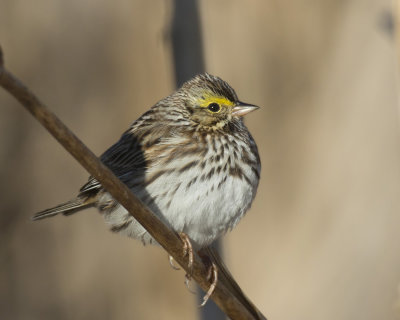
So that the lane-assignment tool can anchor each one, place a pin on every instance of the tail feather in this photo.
(66, 208)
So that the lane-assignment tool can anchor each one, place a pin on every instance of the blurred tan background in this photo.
(322, 239)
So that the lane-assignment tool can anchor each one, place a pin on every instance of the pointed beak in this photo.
(241, 109)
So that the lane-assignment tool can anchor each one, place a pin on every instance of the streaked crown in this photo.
(212, 102)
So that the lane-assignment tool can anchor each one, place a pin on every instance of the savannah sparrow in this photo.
(190, 159)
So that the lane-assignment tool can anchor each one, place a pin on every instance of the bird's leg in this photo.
(187, 251)
(212, 276)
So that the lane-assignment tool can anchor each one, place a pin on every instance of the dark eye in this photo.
(214, 107)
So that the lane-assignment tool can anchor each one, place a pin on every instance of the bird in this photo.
(189, 158)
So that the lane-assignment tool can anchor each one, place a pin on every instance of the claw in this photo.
(171, 263)
(187, 251)
(188, 279)
(213, 277)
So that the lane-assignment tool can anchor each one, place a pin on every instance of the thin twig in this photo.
(168, 239)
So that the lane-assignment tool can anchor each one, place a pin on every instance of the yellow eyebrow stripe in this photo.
(207, 99)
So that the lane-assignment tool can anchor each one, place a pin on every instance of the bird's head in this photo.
(212, 103)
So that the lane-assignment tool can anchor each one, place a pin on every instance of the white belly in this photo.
(203, 208)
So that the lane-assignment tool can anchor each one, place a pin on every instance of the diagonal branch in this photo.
(230, 302)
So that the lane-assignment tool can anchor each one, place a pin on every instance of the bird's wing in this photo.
(130, 157)
(125, 159)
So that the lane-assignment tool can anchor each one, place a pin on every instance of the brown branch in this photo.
(223, 295)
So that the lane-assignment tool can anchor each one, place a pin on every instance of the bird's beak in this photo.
(242, 109)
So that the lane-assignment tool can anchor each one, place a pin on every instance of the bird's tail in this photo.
(66, 208)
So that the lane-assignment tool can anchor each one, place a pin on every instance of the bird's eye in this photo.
(214, 107)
